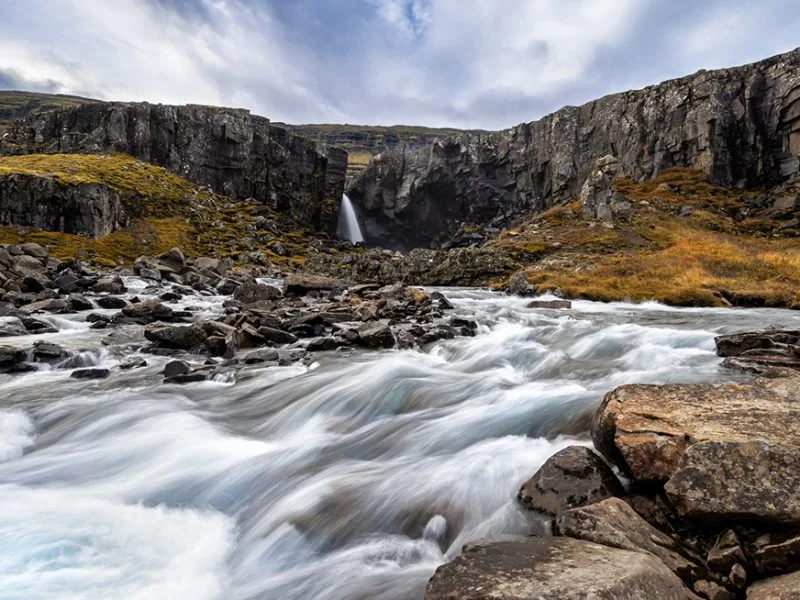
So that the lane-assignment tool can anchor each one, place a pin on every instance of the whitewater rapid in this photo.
(351, 478)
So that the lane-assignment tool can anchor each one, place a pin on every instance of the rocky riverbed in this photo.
(132, 467)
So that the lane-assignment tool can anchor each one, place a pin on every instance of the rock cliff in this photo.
(235, 153)
(739, 125)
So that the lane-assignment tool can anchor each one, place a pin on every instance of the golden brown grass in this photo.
(705, 259)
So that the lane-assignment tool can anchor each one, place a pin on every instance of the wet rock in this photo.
(148, 311)
(92, 373)
(48, 352)
(110, 285)
(376, 335)
(723, 480)
(226, 287)
(10, 326)
(547, 568)
(78, 303)
(277, 336)
(303, 283)
(111, 302)
(11, 357)
(645, 429)
(184, 337)
(52, 305)
(552, 304)
(267, 355)
(518, 285)
(759, 351)
(323, 343)
(66, 283)
(170, 297)
(173, 260)
(195, 377)
(785, 587)
(176, 367)
(35, 283)
(572, 477)
(35, 325)
(612, 522)
(218, 345)
(250, 292)
(132, 362)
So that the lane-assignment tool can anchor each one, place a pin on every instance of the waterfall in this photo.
(348, 222)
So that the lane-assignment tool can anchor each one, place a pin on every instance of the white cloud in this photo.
(469, 63)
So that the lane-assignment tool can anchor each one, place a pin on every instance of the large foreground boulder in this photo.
(646, 428)
(537, 568)
(785, 587)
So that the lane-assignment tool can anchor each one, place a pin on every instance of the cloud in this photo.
(467, 63)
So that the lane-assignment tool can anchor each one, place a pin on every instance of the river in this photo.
(351, 478)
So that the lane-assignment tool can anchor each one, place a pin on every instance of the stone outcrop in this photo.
(646, 428)
(233, 152)
(760, 351)
(87, 209)
(554, 569)
(740, 125)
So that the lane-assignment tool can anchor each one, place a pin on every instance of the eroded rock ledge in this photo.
(709, 508)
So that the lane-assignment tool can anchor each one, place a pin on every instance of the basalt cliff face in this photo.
(233, 152)
(740, 125)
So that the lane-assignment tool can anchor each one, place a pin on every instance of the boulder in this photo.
(376, 334)
(109, 285)
(303, 283)
(132, 362)
(645, 429)
(176, 367)
(250, 292)
(10, 357)
(277, 336)
(266, 355)
(730, 480)
(759, 351)
(112, 302)
(572, 477)
(518, 285)
(92, 373)
(10, 326)
(173, 260)
(36, 325)
(552, 304)
(48, 352)
(148, 311)
(34, 250)
(785, 587)
(614, 523)
(184, 337)
(548, 568)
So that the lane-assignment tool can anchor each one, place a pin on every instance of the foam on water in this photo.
(350, 479)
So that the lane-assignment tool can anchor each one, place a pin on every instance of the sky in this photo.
(485, 64)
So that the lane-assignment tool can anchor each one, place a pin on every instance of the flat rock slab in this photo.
(647, 428)
(754, 480)
(551, 568)
(785, 587)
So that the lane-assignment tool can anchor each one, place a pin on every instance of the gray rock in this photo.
(303, 283)
(776, 552)
(250, 292)
(277, 336)
(11, 326)
(266, 355)
(754, 481)
(92, 373)
(188, 378)
(148, 311)
(518, 285)
(574, 476)
(78, 302)
(48, 351)
(173, 259)
(112, 302)
(176, 367)
(551, 304)
(36, 325)
(376, 335)
(176, 336)
(537, 568)
(10, 357)
(596, 191)
(132, 362)
(110, 285)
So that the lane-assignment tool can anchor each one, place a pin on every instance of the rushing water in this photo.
(349, 479)
(348, 221)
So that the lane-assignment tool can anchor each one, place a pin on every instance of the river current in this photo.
(351, 478)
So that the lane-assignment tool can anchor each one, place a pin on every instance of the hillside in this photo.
(15, 105)
(362, 142)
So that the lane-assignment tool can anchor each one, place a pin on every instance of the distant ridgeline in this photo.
(741, 126)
